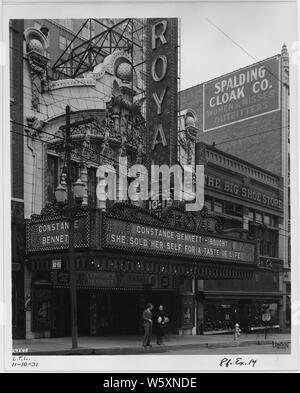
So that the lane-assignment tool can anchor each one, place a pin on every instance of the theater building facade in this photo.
(210, 268)
(126, 257)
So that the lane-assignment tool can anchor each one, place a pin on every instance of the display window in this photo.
(220, 317)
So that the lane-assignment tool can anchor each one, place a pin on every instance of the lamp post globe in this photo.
(60, 194)
(78, 190)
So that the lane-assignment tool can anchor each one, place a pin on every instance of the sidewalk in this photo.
(122, 345)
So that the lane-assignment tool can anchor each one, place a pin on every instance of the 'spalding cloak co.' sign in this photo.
(161, 86)
(243, 94)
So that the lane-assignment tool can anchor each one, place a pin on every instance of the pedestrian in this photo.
(147, 321)
(161, 321)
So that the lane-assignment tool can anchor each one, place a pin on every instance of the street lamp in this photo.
(65, 197)
(76, 192)
(60, 195)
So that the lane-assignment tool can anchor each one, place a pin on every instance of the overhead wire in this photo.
(78, 144)
(45, 141)
(53, 93)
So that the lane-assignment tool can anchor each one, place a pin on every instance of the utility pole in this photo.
(71, 209)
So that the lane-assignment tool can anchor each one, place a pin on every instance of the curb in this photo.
(155, 349)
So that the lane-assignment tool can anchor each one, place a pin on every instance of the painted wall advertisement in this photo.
(246, 93)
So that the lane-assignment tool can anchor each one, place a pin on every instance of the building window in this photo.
(89, 30)
(74, 171)
(92, 185)
(267, 219)
(233, 209)
(52, 177)
(218, 206)
(275, 221)
(68, 23)
(251, 215)
(208, 203)
(269, 243)
(268, 248)
(239, 211)
(62, 42)
(261, 248)
(67, 68)
(69, 45)
(229, 208)
(258, 217)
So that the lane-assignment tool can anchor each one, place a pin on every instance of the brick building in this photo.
(253, 127)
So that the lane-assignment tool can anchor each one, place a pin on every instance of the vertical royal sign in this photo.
(162, 90)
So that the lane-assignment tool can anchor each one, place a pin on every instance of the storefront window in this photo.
(222, 316)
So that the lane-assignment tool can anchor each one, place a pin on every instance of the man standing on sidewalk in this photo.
(161, 321)
(147, 321)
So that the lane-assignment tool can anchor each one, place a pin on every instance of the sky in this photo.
(259, 28)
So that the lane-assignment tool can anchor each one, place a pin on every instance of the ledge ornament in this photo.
(36, 46)
(35, 126)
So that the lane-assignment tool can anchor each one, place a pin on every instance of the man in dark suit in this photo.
(147, 321)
